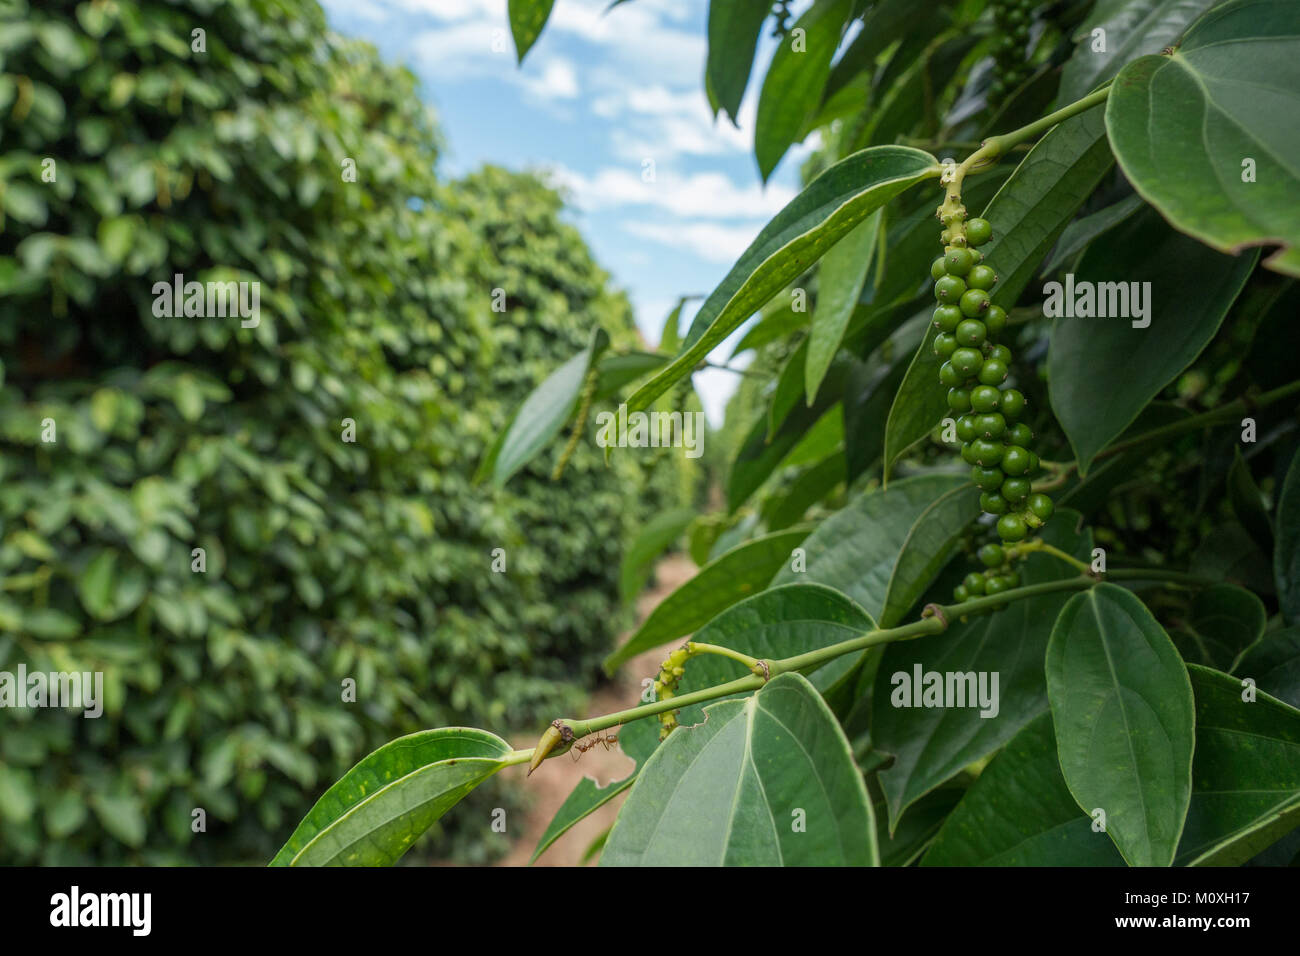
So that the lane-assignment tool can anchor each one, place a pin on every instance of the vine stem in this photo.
(935, 621)
(996, 146)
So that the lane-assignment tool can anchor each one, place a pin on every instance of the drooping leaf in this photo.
(1201, 133)
(1104, 369)
(1020, 813)
(792, 88)
(527, 18)
(800, 234)
(1245, 776)
(930, 745)
(738, 574)
(734, 26)
(839, 284)
(373, 814)
(918, 829)
(1223, 621)
(1081, 233)
(768, 780)
(856, 549)
(587, 797)
(814, 484)
(1248, 502)
(1125, 720)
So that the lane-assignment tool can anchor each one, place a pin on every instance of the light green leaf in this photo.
(109, 591)
(839, 283)
(380, 807)
(856, 549)
(1103, 370)
(1020, 813)
(800, 234)
(741, 572)
(1125, 720)
(792, 88)
(657, 534)
(1246, 774)
(1201, 134)
(727, 792)
(542, 415)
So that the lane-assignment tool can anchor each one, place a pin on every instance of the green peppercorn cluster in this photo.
(670, 675)
(999, 574)
(995, 442)
(1012, 19)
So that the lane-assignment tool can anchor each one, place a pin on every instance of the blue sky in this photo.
(599, 98)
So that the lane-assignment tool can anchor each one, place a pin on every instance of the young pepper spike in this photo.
(558, 733)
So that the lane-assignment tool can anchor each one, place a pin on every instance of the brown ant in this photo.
(605, 740)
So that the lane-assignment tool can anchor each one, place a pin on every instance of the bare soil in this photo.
(554, 780)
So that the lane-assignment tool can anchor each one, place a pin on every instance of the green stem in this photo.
(697, 648)
(996, 146)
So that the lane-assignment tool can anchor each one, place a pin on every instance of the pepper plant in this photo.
(1008, 570)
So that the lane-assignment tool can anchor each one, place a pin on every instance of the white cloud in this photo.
(698, 196)
(558, 80)
(708, 240)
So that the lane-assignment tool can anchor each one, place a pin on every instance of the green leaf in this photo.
(931, 745)
(812, 485)
(1132, 28)
(122, 815)
(768, 780)
(1286, 553)
(527, 18)
(1246, 775)
(1020, 813)
(759, 456)
(917, 831)
(800, 234)
(920, 404)
(1125, 720)
(587, 797)
(542, 415)
(670, 339)
(885, 22)
(930, 543)
(659, 532)
(777, 320)
(741, 572)
(1274, 665)
(792, 88)
(1248, 502)
(109, 591)
(1224, 620)
(1037, 202)
(1081, 233)
(617, 371)
(734, 26)
(839, 283)
(856, 549)
(1186, 129)
(373, 814)
(1102, 370)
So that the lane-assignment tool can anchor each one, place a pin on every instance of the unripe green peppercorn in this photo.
(993, 372)
(937, 270)
(974, 583)
(990, 425)
(978, 231)
(986, 452)
(985, 398)
(1015, 490)
(974, 303)
(993, 503)
(995, 318)
(986, 479)
(944, 345)
(948, 373)
(966, 428)
(1015, 460)
(965, 362)
(947, 318)
(1012, 528)
(970, 332)
(958, 262)
(1019, 434)
(981, 277)
(1041, 506)
(1012, 404)
(949, 289)
(959, 399)
(991, 555)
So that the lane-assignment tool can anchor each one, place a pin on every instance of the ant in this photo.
(606, 740)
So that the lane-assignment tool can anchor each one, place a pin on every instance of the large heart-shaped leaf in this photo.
(1125, 720)
(1020, 813)
(1202, 134)
(541, 416)
(856, 549)
(1103, 368)
(800, 234)
(1130, 28)
(932, 744)
(1246, 775)
(376, 811)
(768, 780)
(741, 572)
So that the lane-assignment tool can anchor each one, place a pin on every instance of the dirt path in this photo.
(551, 785)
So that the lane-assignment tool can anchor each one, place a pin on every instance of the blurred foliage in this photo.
(325, 559)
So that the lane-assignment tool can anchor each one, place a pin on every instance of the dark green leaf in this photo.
(1274, 665)
(929, 545)
(527, 17)
(1248, 502)
(1286, 555)
(734, 26)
